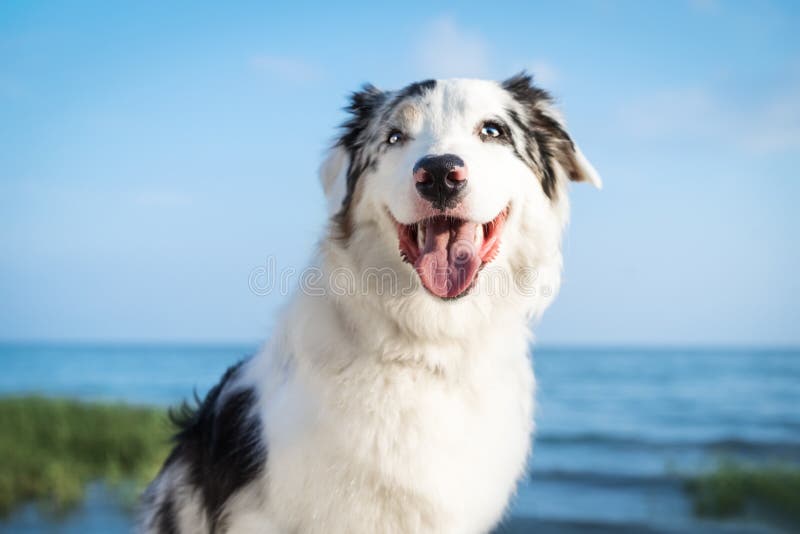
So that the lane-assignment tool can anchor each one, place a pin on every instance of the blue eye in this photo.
(491, 129)
(394, 138)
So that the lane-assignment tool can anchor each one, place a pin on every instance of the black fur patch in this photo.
(364, 108)
(220, 444)
(364, 105)
(165, 520)
(414, 89)
(546, 142)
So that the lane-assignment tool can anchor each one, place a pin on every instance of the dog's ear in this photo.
(363, 106)
(547, 137)
(576, 166)
(345, 161)
(333, 176)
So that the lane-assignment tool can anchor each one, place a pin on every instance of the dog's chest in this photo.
(397, 448)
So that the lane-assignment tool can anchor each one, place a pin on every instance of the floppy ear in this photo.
(333, 176)
(345, 162)
(550, 146)
(576, 165)
(363, 106)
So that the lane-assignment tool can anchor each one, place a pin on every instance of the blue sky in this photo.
(152, 154)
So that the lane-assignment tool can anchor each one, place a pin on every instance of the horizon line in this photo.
(237, 343)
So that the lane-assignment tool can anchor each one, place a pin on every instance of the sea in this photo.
(618, 430)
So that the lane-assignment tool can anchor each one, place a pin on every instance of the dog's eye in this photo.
(491, 129)
(394, 137)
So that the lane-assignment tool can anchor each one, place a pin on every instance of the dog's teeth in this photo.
(479, 235)
(420, 235)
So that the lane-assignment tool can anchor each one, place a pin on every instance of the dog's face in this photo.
(453, 175)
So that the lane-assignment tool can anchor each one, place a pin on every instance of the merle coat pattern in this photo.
(399, 400)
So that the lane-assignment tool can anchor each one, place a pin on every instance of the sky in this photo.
(154, 154)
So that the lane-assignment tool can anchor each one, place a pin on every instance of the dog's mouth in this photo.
(448, 252)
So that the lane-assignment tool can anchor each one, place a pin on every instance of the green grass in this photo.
(51, 448)
(735, 489)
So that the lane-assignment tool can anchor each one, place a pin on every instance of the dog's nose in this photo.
(441, 179)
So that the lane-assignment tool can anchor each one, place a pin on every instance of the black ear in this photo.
(350, 150)
(546, 135)
(362, 108)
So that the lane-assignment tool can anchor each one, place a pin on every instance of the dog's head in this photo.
(444, 178)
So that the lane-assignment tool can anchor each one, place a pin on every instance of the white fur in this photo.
(390, 413)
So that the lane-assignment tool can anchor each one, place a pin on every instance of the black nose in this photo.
(441, 179)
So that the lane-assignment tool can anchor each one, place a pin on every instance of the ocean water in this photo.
(616, 428)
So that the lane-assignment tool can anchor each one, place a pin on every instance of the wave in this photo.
(526, 525)
(732, 445)
(609, 480)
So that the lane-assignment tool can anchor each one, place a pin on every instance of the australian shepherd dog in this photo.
(396, 392)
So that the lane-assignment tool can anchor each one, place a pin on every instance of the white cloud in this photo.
(669, 111)
(544, 73)
(777, 124)
(286, 68)
(446, 50)
(766, 125)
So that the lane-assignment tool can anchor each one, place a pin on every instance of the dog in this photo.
(396, 394)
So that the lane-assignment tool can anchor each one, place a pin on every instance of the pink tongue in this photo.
(449, 260)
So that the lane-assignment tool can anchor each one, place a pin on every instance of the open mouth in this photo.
(448, 252)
